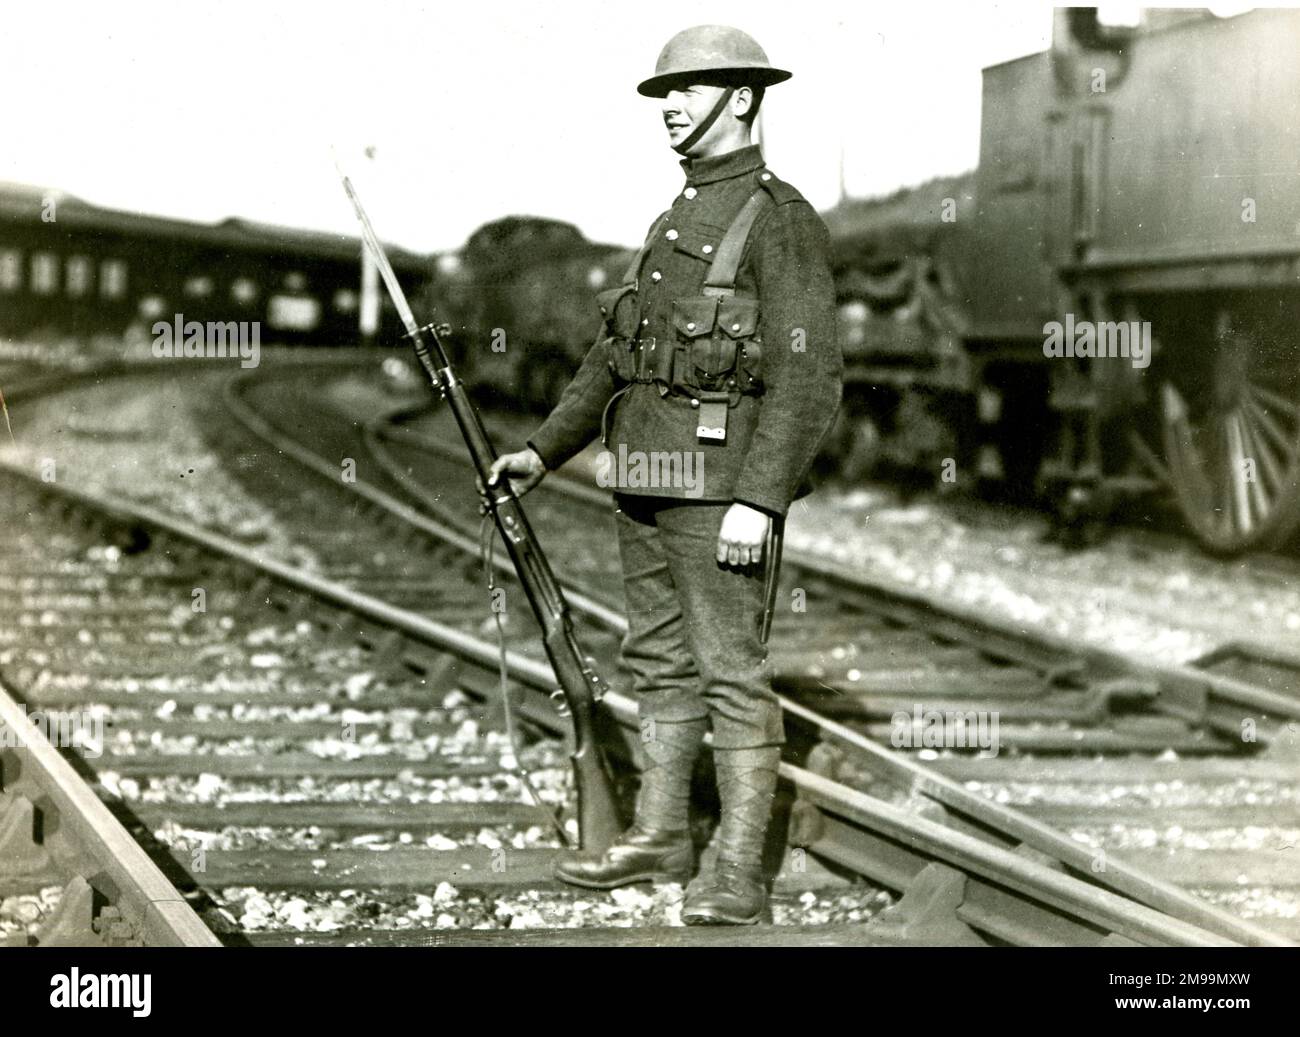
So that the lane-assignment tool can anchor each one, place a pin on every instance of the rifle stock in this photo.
(598, 821)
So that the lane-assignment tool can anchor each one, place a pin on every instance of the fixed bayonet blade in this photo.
(376, 251)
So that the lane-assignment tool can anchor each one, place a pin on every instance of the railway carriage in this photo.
(71, 268)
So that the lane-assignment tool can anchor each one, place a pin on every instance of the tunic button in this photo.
(695, 403)
(735, 327)
(766, 176)
(645, 321)
(671, 235)
(655, 275)
(707, 249)
(690, 192)
(690, 325)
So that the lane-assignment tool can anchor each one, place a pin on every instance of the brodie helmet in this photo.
(717, 52)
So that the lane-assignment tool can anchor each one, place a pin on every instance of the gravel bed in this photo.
(22, 915)
(1171, 605)
(267, 837)
(1254, 902)
(547, 768)
(447, 908)
(145, 445)
(1241, 794)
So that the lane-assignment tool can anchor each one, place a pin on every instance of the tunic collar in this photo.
(723, 167)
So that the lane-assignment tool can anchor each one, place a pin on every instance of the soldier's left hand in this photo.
(740, 541)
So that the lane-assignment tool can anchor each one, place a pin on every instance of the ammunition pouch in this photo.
(618, 308)
(717, 347)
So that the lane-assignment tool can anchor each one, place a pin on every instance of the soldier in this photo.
(719, 352)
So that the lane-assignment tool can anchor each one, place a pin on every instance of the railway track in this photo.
(234, 730)
(60, 844)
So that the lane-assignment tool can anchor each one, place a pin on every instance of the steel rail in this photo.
(86, 843)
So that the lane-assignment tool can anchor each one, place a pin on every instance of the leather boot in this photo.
(736, 894)
(658, 844)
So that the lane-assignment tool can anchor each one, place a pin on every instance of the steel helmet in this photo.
(711, 49)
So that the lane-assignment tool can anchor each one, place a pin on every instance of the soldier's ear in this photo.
(742, 101)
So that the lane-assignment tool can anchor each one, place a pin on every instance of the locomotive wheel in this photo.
(1232, 439)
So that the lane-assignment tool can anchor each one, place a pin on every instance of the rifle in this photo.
(598, 822)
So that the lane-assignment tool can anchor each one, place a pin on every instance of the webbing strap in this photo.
(721, 279)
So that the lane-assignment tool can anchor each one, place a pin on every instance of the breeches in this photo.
(692, 642)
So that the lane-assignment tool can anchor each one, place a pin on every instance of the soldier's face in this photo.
(686, 107)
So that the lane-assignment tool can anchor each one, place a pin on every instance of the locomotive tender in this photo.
(1122, 178)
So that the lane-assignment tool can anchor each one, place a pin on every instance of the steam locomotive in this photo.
(519, 299)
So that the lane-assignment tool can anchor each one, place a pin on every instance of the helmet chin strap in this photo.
(702, 127)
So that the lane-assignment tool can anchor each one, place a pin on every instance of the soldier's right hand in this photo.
(524, 467)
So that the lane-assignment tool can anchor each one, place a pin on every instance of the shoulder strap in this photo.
(780, 191)
(721, 279)
(635, 269)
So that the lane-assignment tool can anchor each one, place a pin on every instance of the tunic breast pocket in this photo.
(700, 241)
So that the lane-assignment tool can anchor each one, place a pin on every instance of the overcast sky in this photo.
(473, 110)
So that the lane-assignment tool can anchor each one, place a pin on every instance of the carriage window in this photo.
(45, 273)
(198, 286)
(78, 276)
(112, 279)
(345, 300)
(295, 281)
(11, 270)
(293, 312)
(243, 290)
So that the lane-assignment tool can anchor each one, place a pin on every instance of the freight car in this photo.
(68, 268)
(1132, 183)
